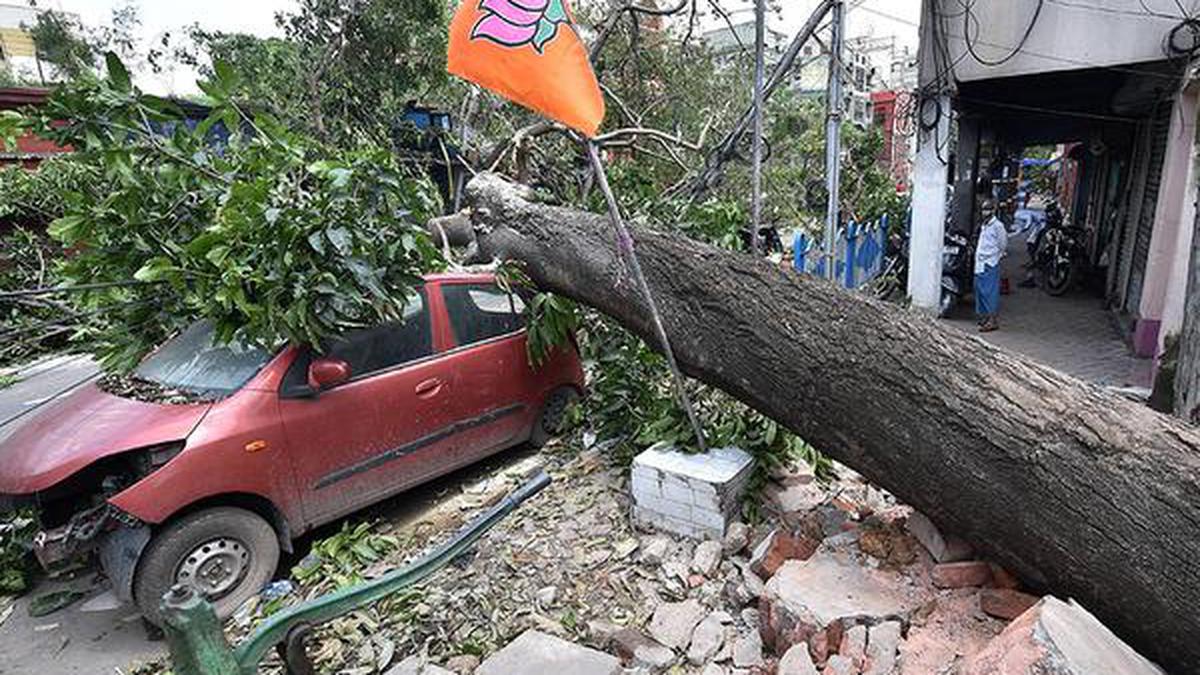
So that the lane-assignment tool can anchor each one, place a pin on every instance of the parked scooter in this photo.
(957, 272)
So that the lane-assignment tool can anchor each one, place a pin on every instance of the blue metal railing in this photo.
(858, 253)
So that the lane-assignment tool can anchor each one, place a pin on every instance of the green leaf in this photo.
(155, 269)
(65, 229)
(118, 75)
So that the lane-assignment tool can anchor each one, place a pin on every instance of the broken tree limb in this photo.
(727, 148)
(1081, 492)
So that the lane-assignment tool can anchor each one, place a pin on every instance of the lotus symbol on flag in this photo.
(515, 23)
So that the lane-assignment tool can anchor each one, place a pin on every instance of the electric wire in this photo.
(969, 17)
(1028, 52)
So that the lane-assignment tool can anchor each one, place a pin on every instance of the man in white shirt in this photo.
(991, 248)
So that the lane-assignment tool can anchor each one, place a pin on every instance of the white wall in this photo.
(1068, 35)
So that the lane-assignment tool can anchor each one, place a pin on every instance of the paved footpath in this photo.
(1073, 333)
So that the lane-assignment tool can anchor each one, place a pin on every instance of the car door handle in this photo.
(429, 388)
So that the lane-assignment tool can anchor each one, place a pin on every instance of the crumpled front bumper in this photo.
(59, 546)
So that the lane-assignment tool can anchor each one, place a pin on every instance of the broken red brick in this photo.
(1005, 603)
(1002, 578)
(779, 547)
(961, 574)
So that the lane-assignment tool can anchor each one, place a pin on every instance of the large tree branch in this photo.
(1081, 492)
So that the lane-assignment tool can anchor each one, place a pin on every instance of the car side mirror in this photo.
(326, 372)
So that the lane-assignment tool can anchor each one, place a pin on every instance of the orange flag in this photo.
(528, 51)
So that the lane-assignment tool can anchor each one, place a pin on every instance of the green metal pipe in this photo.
(194, 636)
(275, 630)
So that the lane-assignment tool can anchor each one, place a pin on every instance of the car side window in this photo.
(481, 312)
(375, 349)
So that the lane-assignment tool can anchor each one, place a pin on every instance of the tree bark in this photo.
(1082, 493)
(1187, 372)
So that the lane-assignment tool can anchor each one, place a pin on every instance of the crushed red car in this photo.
(267, 446)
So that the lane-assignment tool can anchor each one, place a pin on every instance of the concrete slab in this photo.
(1058, 637)
(535, 652)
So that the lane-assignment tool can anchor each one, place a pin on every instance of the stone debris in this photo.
(708, 638)
(568, 582)
(674, 622)
(814, 600)
(655, 549)
(883, 641)
(417, 665)
(707, 558)
(737, 537)
(463, 664)
(694, 496)
(795, 499)
(840, 665)
(797, 662)
(854, 645)
(961, 574)
(536, 652)
(748, 650)
(1058, 637)
(546, 596)
(944, 549)
(1005, 603)
(638, 651)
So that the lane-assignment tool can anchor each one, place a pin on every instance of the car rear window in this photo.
(481, 312)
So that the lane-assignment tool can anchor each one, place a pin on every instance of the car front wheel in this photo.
(227, 554)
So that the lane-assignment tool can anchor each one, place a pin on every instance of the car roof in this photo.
(440, 277)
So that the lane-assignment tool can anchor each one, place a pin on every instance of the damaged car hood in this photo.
(88, 424)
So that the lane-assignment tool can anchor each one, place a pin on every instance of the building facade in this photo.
(1107, 79)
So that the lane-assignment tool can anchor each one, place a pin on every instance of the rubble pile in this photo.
(838, 580)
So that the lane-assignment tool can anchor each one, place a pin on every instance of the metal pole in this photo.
(194, 636)
(626, 250)
(760, 47)
(833, 139)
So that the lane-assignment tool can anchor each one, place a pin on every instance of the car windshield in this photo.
(191, 362)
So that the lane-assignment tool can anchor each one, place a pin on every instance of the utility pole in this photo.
(760, 48)
(930, 176)
(833, 138)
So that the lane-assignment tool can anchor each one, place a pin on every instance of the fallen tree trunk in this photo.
(1081, 492)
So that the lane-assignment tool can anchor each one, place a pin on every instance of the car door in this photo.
(493, 380)
(378, 433)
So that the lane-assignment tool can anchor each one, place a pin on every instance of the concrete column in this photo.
(1165, 284)
(1175, 295)
(929, 178)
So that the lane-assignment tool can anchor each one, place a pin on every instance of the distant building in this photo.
(17, 52)
(810, 76)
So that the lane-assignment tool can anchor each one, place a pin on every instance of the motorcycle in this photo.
(1060, 256)
(892, 282)
(957, 272)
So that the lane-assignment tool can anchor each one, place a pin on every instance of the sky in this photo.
(258, 17)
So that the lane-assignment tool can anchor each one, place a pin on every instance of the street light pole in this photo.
(760, 47)
(833, 139)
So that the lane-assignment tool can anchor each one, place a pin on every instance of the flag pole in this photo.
(626, 249)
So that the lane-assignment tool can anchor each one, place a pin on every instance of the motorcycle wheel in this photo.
(1059, 279)
(947, 304)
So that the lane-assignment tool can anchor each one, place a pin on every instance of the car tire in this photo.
(551, 420)
(237, 544)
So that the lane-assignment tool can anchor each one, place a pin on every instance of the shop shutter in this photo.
(1160, 133)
